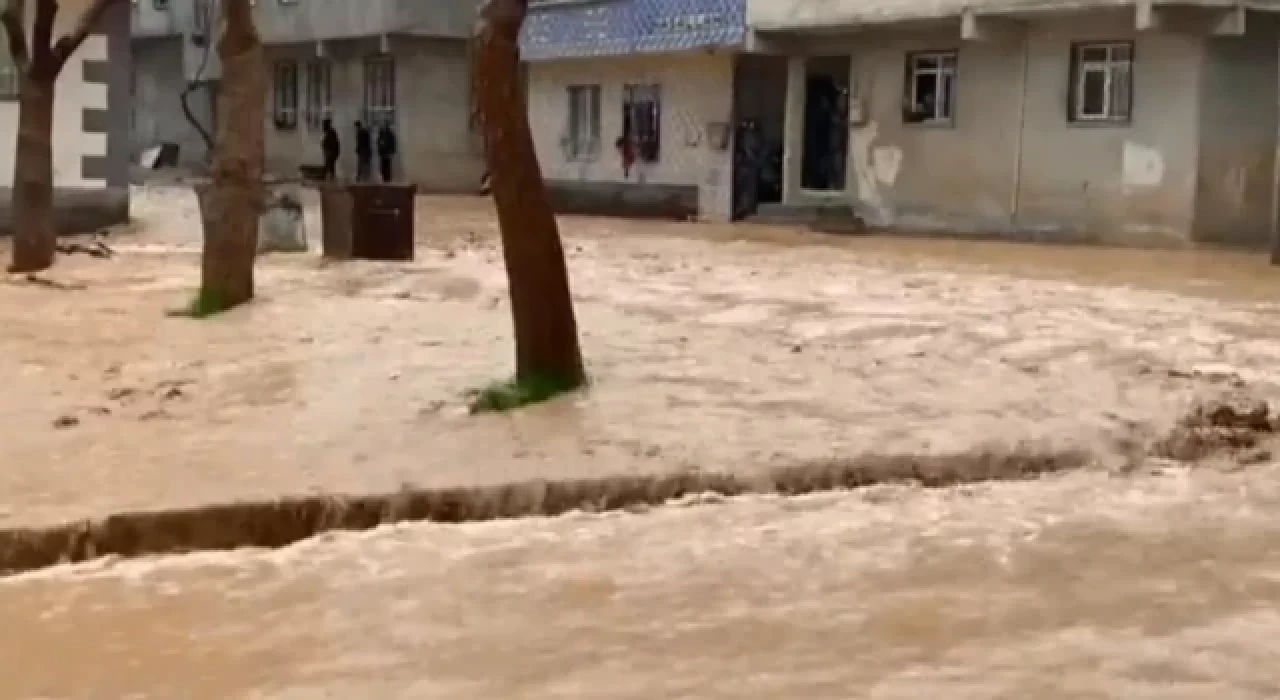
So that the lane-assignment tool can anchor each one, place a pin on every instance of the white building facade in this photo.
(90, 127)
(1120, 121)
(631, 105)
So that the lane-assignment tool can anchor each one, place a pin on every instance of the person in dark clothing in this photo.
(747, 164)
(386, 150)
(364, 152)
(332, 148)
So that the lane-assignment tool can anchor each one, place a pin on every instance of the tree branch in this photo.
(15, 28)
(68, 43)
(42, 32)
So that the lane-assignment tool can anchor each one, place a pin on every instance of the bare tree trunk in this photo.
(39, 60)
(35, 237)
(541, 304)
(235, 201)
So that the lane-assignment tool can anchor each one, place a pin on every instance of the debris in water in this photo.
(1234, 424)
(155, 414)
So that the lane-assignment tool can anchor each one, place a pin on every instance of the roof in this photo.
(620, 27)
(799, 14)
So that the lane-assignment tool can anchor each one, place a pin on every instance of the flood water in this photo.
(757, 348)
(1159, 586)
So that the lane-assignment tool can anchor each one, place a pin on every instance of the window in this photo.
(201, 20)
(583, 141)
(319, 86)
(930, 92)
(284, 95)
(9, 86)
(1101, 82)
(380, 91)
(642, 120)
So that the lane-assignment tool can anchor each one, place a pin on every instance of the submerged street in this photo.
(718, 348)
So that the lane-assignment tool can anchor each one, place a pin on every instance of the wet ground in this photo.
(1159, 587)
(713, 355)
(755, 348)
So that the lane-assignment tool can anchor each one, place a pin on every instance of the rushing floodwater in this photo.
(1157, 586)
(726, 355)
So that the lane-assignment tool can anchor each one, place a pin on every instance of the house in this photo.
(404, 62)
(631, 103)
(1127, 121)
(90, 127)
(172, 57)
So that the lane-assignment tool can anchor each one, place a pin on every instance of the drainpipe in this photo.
(1015, 196)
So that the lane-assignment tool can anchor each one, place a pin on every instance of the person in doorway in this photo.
(386, 150)
(332, 148)
(748, 161)
(364, 152)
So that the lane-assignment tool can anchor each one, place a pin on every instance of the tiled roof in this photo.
(567, 29)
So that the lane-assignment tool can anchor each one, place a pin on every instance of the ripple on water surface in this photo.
(1159, 586)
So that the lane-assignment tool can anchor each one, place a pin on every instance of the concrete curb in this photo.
(278, 523)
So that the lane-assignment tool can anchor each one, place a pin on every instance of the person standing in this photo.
(747, 164)
(364, 152)
(386, 150)
(332, 148)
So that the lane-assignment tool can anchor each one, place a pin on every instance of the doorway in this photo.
(759, 108)
(826, 124)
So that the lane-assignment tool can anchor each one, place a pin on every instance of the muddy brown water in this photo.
(1082, 586)
(742, 354)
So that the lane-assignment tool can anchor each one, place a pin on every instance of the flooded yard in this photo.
(733, 349)
(712, 355)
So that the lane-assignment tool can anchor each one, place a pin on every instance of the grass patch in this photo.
(517, 393)
(206, 303)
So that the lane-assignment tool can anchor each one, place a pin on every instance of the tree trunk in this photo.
(541, 304)
(34, 233)
(235, 200)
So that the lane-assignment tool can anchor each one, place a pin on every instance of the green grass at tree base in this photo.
(206, 303)
(515, 393)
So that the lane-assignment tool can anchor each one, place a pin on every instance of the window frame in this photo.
(284, 88)
(1075, 86)
(318, 89)
(582, 138)
(388, 109)
(911, 71)
(635, 98)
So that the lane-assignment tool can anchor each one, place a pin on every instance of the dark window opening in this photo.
(642, 120)
(1101, 83)
(930, 93)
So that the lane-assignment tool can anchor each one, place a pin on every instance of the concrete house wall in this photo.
(1196, 162)
(438, 149)
(90, 127)
(1236, 183)
(168, 52)
(426, 40)
(428, 43)
(156, 108)
(690, 175)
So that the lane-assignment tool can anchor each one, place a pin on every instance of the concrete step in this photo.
(830, 218)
